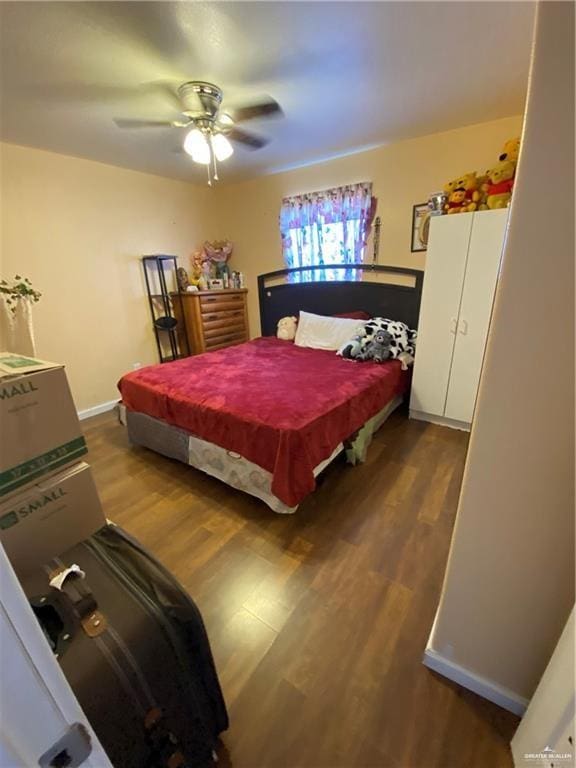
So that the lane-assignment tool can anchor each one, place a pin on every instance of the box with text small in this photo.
(39, 427)
(47, 518)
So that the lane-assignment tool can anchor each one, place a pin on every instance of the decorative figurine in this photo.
(196, 261)
(182, 278)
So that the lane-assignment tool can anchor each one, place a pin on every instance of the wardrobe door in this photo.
(486, 243)
(443, 281)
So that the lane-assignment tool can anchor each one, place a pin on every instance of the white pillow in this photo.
(324, 332)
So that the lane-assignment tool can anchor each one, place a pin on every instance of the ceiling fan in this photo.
(211, 129)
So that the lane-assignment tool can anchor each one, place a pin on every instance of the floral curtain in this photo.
(328, 227)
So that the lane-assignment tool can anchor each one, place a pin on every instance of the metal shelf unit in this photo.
(161, 286)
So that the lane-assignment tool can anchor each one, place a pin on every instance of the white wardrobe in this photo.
(462, 264)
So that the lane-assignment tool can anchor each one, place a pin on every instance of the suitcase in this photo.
(134, 649)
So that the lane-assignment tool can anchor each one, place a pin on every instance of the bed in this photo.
(268, 416)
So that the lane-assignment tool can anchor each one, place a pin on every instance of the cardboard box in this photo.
(39, 427)
(49, 517)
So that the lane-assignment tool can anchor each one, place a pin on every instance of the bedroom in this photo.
(319, 618)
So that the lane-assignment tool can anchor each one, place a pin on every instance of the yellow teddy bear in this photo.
(511, 151)
(449, 187)
(481, 193)
(501, 181)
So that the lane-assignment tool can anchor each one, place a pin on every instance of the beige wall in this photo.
(403, 174)
(509, 584)
(77, 229)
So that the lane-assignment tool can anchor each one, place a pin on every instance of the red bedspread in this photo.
(283, 407)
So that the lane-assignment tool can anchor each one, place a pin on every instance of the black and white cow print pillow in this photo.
(403, 338)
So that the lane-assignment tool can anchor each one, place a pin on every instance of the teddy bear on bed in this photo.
(378, 348)
(286, 329)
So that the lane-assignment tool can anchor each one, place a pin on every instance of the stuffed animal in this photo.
(457, 201)
(406, 360)
(287, 328)
(511, 150)
(449, 187)
(481, 194)
(469, 183)
(353, 349)
(501, 182)
(378, 349)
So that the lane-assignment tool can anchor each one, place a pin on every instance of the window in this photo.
(329, 227)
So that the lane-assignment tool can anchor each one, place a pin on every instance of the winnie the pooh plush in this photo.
(457, 202)
(469, 183)
(501, 181)
(481, 194)
(449, 187)
(511, 150)
(286, 329)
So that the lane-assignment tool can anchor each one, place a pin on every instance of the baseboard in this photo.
(86, 413)
(443, 421)
(484, 687)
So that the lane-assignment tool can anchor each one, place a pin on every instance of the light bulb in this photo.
(221, 146)
(196, 145)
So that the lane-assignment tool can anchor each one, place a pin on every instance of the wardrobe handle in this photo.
(453, 325)
(464, 328)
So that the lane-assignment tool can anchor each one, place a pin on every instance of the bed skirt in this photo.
(230, 467)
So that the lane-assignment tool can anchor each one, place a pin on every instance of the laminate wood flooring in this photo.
(318, 620)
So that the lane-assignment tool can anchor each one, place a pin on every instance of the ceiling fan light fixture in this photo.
(197, 146)
(222, 148)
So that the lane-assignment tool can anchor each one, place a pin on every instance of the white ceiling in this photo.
(348, 75)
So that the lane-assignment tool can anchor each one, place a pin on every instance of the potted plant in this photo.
(18, 297)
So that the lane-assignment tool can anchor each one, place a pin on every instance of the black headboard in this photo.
(330, 297)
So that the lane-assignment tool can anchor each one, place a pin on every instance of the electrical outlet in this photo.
(135, 366)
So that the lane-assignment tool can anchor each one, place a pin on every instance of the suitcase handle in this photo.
(73, 601)
(80, 600)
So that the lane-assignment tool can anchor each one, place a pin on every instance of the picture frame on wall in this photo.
(420, 227)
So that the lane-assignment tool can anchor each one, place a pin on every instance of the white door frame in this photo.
(543, 736)
(37, 704)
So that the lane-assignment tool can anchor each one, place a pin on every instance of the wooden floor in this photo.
(318, 620)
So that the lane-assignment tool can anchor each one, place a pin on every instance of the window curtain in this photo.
(328, 227)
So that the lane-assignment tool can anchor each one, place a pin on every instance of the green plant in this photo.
(16, 289)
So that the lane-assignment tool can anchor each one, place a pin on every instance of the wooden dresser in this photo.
(214, 319)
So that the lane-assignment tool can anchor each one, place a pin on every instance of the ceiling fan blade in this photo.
(166, 89)
(163, 92)
(122, 122)
(249, 140)
(267, 108)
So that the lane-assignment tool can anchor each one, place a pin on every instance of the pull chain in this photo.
(215, 174)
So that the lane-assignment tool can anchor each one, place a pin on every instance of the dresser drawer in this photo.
(217, 318)
(224, 330)
(221, 302)
(225, 339)
(223, 323)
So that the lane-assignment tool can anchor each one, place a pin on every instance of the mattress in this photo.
(282, 407)
(231, 467)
